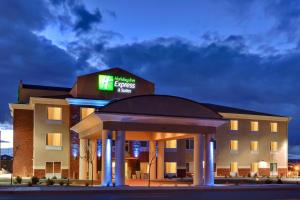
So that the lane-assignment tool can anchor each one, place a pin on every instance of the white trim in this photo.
(254, 117)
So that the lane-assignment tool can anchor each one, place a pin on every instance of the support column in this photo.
(83, 163)
(161, 160)
(120, 158)
(209, 160)
(198, 159)
(106, 173)
(93, 158)
(152, 159)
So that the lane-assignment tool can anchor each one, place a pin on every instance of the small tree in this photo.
(149, 170)
(90, 157)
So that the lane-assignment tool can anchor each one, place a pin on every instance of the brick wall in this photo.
(40, 173)
(264, 172)
(244, 172)
(282, 172)
(23, 142)
(223, 171)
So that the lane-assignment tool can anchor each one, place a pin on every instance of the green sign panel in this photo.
(106, 83)
(118, 83)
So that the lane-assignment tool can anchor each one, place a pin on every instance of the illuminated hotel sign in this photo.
(119, 83)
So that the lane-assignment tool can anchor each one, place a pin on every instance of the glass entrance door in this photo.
(273, 169)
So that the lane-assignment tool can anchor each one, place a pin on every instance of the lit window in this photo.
(274, 127)
(53, 139)
(171, 144)
(234, 167)
(254, 146)
(171, 167)
(234, 125)
(254, 167)
(274, 146)
(84, 112)
(234, 145)
(54, 113)
(254, 126)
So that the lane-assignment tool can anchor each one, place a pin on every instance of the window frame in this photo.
(272, 151)
(54, 147)
(231, 125)
(251, 126)
(231, 145)
(271, 127)
(61, 113)
(254, 151)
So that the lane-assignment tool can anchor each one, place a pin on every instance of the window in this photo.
(254, 167)
(254, 146)
(171, 167)
(54, 113)
(234, 145)
(54, 139)
(234, 125)
(274, 146)
(189, 144)
(274, 127)
(254, 126)
(84, 112)
(234, 167)
(171, 144)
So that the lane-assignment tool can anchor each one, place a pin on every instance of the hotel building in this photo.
(111, 126)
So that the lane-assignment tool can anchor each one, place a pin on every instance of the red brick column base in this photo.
(223, 171)
(244, 172)
(39, 173)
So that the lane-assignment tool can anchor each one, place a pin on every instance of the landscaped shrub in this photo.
(35, 180)
(61, 183)
(29, 184)
(86, 184)
(54, 177)
(279, 181)
(49, 182)
(268, 181)
(18, 180)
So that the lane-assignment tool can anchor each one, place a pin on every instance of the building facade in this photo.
(68, 132)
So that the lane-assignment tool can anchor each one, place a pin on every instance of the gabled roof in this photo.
(43, 87)
(227, 109)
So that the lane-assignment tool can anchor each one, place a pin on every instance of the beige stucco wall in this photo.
(243, 156)
(42, 126)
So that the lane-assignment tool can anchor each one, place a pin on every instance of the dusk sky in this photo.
(240, 53)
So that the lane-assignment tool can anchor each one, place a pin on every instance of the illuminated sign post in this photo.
(119, 83)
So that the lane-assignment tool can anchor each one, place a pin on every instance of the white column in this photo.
(106, 173)
(152, 159)
(161, 160)
(198, 159)
(209, 160)
(93, 158)
(120, 158)
(83, 164)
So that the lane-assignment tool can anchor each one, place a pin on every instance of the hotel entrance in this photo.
(152, 118)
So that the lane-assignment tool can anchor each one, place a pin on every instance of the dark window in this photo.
(143, 143)
(189, 144)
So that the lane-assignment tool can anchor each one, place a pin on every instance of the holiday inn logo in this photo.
(106, 83)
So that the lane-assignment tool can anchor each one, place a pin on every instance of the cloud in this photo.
(217, 72)
(85, 19)
(26, 56)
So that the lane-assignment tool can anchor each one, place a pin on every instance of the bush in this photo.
(18, 180)
(35, 180)
(54, 177)
(86, 184)
(268, 181)
(279, 181)
(49, 182)
(61, 183)
(29, 184)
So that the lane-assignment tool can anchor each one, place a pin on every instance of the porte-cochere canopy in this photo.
(151, 113)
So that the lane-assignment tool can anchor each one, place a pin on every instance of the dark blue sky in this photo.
(231, 52)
